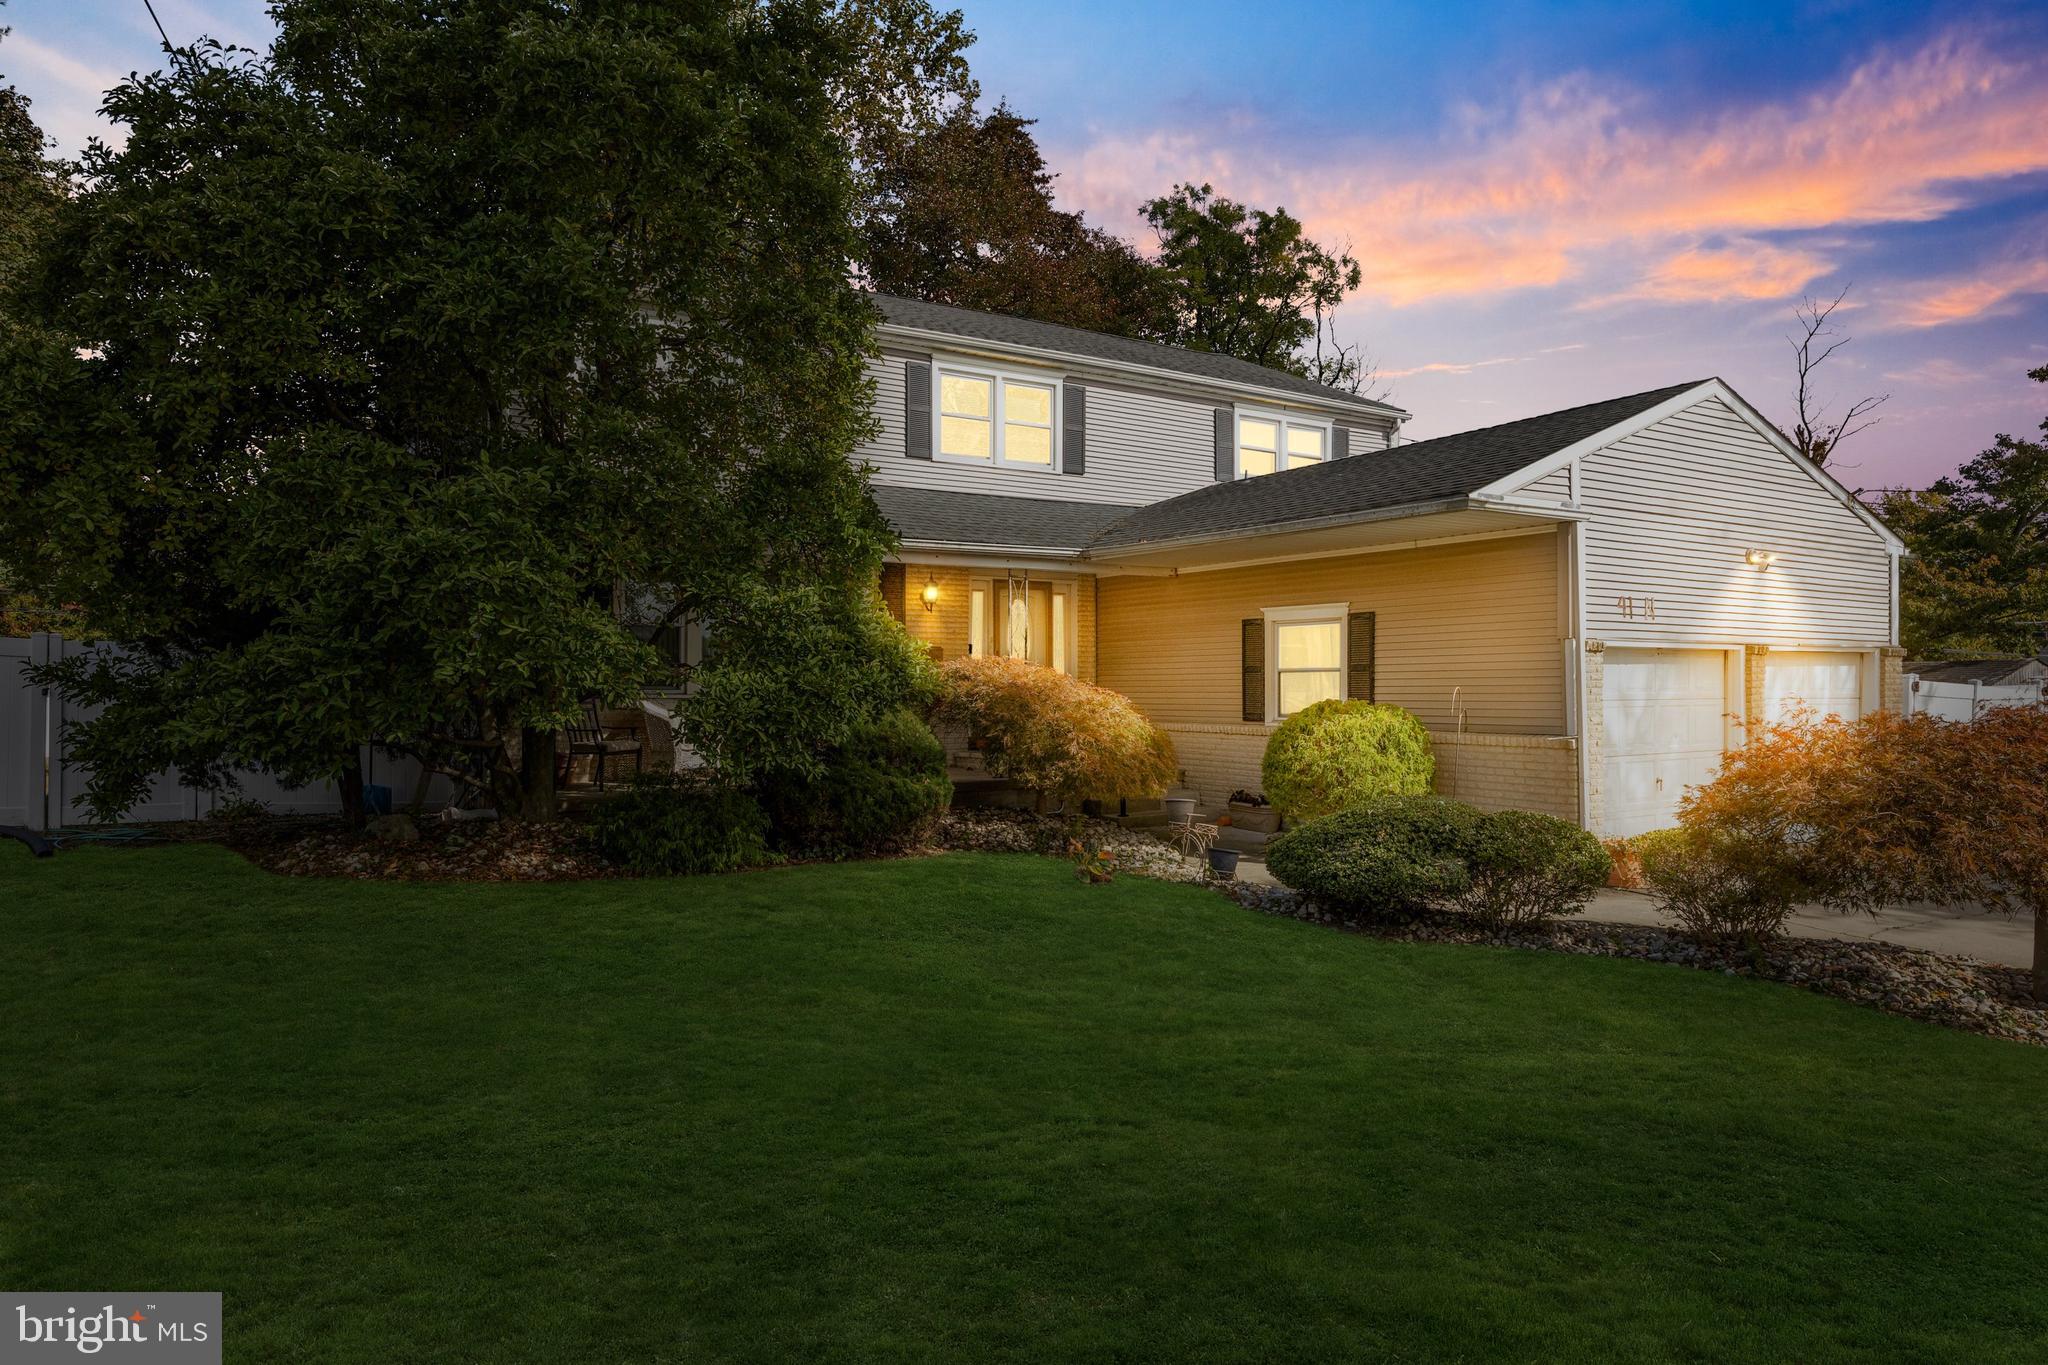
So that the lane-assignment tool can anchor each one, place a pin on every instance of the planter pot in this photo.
(1223, 862)
(1180, 809)
(1258, 819)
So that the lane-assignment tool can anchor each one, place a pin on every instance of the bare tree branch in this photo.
(1816, 437)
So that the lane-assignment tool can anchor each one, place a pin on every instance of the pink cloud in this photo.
(1992, 290)
(1578, 180)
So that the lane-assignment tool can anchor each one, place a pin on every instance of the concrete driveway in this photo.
(1986, 935)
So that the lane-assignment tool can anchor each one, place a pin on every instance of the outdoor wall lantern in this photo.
(1761, 559)
(930, 593)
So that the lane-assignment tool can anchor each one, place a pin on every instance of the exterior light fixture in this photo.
(1760, 559)
(930, 593)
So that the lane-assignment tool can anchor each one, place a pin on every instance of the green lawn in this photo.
(967, 1108)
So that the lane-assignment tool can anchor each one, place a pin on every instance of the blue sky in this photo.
(1553, 203)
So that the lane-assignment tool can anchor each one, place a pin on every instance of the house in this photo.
(1583, 607)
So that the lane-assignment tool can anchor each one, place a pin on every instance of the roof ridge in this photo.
(1559, 412)
(1165, 346)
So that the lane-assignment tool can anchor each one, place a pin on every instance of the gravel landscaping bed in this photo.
(993, 830)
(455, 851)
(1956, 992)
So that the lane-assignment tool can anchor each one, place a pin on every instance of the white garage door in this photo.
(1665, 712)
(1828, 684)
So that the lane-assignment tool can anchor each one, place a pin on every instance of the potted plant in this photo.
(1252, 812)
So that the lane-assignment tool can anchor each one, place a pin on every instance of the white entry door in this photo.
(1665, 712)
(1827, 684)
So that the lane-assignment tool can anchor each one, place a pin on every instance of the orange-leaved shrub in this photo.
(1065, 739)
(1889, 808)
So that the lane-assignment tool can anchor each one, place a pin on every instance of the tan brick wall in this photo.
(1510, 772)
(1891, 678)
(1754, 658)
(945, 626)
(1593, 724)
(892, 590)
(1493, 772)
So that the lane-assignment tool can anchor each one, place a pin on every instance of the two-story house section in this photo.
(1585, 607)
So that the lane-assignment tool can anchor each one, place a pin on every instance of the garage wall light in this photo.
(1760, 559)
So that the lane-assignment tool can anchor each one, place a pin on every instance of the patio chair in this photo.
(594, 738)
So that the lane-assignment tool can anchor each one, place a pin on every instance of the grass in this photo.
(967, 1108)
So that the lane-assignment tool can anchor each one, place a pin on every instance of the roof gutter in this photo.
(1460, 503)
(954, 341)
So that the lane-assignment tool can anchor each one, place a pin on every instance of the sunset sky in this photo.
(1553, 203)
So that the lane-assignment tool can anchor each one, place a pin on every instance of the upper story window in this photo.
(988, 417)
(1267, 444)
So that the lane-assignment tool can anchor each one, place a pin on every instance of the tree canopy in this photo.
(1977, 579)
(374, 363)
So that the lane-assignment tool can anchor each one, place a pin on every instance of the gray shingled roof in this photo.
(929, 514)
(1048, 336)
(1445, 468)
(1990, 671)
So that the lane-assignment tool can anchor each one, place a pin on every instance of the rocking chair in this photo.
(600, 741)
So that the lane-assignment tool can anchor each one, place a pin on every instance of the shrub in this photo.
(1387, 853)
(1527, 868)
(672, 824)
(1334, 754)
(883, 789)
(1721, 887)
(1066, 740)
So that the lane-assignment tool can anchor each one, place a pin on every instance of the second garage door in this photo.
(1825, 684)
(1664, 712)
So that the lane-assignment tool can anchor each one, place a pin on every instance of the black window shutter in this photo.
(917, 409)
(1359, 672)
(1073, 429)
(1253, 648)
(1340, 443)
(1226, 448)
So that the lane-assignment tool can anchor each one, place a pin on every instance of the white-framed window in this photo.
(1023, 619)
(1268, 442)
(995, 417)
(1305, 656)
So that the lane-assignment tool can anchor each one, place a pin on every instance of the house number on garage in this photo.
(1633, 607)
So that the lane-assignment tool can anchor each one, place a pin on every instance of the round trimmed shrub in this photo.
(1528, 868)
(670, 824)
(883, 789)
(1385, 854)
(1332, 755)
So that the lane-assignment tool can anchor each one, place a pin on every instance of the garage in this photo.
(1665, 715)
(1826, 683)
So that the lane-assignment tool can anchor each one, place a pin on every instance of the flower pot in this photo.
(1180, 809)
(1258, 819)
(1223, 862)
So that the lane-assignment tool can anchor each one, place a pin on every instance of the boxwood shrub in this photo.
(1332, 755)
(884, 789)
(672, 824)
(1527, 869)
(1385, 854)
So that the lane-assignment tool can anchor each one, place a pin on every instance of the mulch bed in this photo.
(1955, 992)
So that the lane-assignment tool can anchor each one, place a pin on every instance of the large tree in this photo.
(964, 214)
(377, 360)
(1250, 283)
(1977, 580)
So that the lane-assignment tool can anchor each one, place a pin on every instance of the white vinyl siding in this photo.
(1672, 511)
(1553, 487)
(1143, 446)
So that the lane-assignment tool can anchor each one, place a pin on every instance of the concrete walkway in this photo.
(1986, 935)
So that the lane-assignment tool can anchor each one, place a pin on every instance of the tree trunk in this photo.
(351, 781)
(2041, 950)
(536, 797)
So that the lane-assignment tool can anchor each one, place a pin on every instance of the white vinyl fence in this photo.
(1964, 701)
(39, 784)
